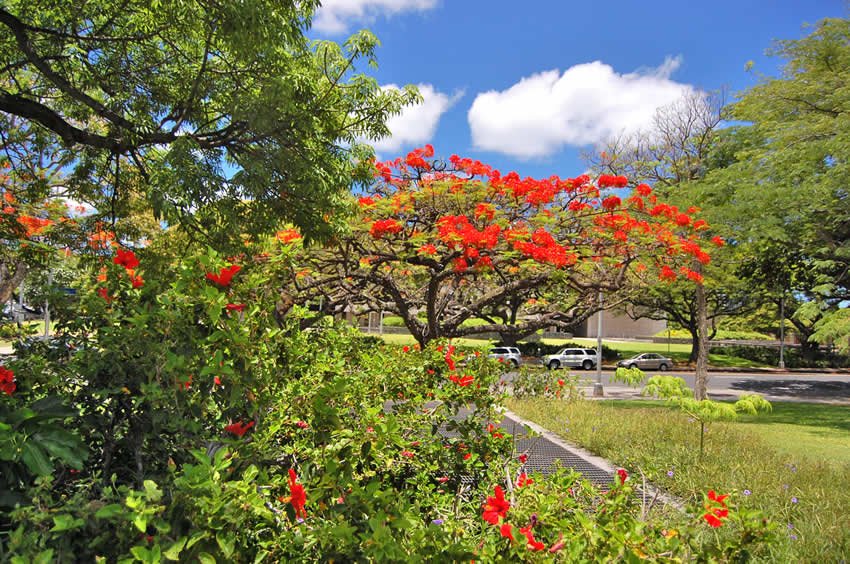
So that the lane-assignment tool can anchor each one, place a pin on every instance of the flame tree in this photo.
(443, 244)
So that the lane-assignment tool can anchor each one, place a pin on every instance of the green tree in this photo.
(797, 173)
(227, 115)
(675, 154)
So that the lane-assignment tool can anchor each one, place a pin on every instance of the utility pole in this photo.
(598, 391)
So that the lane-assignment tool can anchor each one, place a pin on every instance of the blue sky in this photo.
(526, 86)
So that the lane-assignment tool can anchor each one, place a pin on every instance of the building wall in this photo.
(616, 325)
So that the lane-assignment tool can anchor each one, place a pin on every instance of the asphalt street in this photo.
(774, 386)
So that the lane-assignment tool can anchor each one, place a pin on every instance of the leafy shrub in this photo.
(215, 430)
(793, 356)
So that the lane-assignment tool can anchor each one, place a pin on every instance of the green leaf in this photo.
(173, 551)
(206, 558)
(152, 492)
(109, 511)
(35, 459)
(65, 522)
(226, 543)
(141, 523)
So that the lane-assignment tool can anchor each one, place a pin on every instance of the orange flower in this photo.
(288, 235)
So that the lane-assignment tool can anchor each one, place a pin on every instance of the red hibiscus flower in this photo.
(462, 381)
(533, 544)
(523, 458)
(225, 275)
(622, 475)
(127, 259)
(716, 509)
(496, 507)
(234, 307)
(523, 480)
(239, 428)
(297, 495)
(136, 280)
(104, 293)
(507, 531)
(7, 381)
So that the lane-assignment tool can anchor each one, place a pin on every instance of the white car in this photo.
(572, 357)
(507, 354)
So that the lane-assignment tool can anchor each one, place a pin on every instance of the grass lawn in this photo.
(794, 462)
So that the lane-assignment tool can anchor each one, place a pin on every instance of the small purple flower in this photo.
(793, 500)
(533, 519)
(790, 526)
(437, 522)
(669, 473)
(792, 536)
(784, 486)
(747, 492)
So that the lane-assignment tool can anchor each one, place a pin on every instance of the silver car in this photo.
(575, 358)
(507, 354)
(648, 361)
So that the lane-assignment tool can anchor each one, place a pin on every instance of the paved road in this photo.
(775, 386)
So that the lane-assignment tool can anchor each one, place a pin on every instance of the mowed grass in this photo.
(795, 462)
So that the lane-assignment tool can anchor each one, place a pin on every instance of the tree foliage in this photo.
(225, 113)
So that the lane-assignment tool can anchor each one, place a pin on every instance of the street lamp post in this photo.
(782, 331)
(598, 391)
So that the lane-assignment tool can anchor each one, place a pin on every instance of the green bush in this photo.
(207, 428)
(792, 356)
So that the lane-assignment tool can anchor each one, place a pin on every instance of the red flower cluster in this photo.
(608, 181)
(235, 307)
(611, 203)
(7, 381)
(718, 241)
(496, 507)
(623, 475)
(544, 248)
(225, 275)
(383, 226)
(457, 232)
(239, 428)
(715, 509)
(34, 225)
(127, 259)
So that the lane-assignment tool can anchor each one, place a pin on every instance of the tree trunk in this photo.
(694, 331)
(701, 383)
(8, 282)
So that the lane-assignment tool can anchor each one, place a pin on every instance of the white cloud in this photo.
(585, 105)
(416, 125)
(335, 15)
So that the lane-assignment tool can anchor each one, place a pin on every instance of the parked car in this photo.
(575, 358)
(648, 361)
(507, 354)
